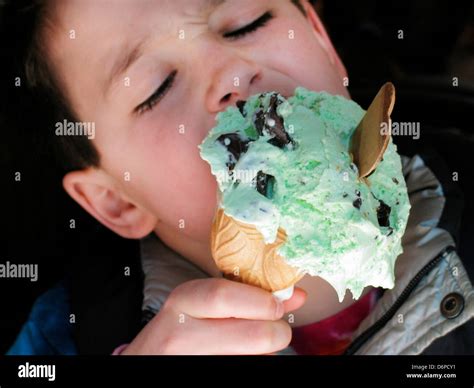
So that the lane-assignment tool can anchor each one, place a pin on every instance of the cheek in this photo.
(174, 183)
(189, 189)
(305, 61)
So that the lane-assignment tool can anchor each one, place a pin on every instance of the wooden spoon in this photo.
(369, 141)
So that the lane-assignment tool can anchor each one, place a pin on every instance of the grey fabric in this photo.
(164, 270)
(422, 321)
(417, 323)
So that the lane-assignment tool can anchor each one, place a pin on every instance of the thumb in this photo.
(296, 301)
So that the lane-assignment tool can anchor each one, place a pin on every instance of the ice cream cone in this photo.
(240, 252)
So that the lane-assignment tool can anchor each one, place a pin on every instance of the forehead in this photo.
(82, 12)
(92, 33)
(102, 23)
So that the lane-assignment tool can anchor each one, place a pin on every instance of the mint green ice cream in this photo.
(285, 163)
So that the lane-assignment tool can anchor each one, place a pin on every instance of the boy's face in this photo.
(123, 51)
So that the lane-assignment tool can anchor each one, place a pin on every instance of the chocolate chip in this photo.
(259, 121)
(278, 128)
(235, 145)
(264, 183)
(383, 214)
(390, 231)
(357, 203)
(395, 180)
(269, 121)
(357, 193)
(240, 104)
(344, 195)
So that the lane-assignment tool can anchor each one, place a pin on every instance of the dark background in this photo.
(438, 44)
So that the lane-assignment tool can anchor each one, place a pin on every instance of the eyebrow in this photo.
(124, 62)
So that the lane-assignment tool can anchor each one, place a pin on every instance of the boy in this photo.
(151, 76)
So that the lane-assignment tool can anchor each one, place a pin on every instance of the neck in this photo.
(197, 252)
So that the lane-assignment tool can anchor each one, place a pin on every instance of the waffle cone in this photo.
(240, 252)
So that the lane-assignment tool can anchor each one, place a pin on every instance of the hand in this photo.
(218, 316)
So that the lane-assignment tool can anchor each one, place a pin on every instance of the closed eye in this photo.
(249, 28)
(155, 98)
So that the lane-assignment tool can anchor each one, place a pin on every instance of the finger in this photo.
(221, 298)
(229, 337)
(296, 301)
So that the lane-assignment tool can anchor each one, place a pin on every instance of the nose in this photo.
(230, 82)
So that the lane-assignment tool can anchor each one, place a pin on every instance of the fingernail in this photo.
(284, 294)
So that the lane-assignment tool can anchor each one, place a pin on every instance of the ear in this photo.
(323, 38)
(96, 192)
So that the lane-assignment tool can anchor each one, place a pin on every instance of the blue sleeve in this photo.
(48, 330)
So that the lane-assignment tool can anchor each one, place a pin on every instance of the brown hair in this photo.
(73, 152)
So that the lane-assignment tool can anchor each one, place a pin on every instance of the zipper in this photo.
(382, 321)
